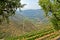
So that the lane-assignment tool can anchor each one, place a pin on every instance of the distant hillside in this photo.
(35, 15)
(17, 26)
(22, 22)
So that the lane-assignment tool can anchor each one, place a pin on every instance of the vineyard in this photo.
(29, 19)
(45, 34)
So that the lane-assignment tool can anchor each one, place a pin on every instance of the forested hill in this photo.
(34, 14)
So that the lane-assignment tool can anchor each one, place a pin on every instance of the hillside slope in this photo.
(16, 26)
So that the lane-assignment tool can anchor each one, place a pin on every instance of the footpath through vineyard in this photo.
(51, 36)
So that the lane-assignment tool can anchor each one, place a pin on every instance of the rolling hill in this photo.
(23, 22)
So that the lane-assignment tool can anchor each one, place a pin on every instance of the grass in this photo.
(34, 35)
(39, 35)
(51, 36)
(10, 38)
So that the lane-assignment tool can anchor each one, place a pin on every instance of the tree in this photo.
(8, 8)
(52, 7)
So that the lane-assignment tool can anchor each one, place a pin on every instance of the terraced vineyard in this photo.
(51, 36)
(46, 34)
(41, 35)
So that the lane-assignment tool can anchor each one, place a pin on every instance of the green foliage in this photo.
(52, 7)
(31, 35)
(40, 35)
(11, 38)
(35, 34)
(2, 35)
(8, 8)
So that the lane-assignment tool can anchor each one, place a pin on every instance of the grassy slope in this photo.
(15, 27)
(33, 35)
(36, 34)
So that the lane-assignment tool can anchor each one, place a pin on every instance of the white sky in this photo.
(31, 4)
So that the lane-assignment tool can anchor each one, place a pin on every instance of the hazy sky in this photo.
(31, 4)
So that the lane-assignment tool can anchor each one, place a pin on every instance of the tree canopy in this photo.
(52, 7)
(8, 8)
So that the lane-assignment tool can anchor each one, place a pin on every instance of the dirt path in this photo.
(48, 36)
(1, 39)
(56, 38)
(44, 36)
